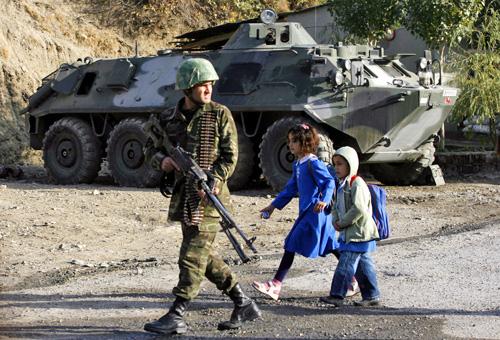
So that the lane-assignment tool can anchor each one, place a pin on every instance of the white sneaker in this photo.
(353, 289)
(268, 288)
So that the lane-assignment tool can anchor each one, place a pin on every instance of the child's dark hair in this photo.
(306, 135)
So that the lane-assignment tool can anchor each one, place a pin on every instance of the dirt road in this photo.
(98, 261)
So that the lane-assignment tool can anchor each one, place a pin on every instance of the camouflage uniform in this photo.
(211, 138)
(197, 258)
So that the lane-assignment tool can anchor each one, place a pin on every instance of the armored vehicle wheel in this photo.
(244, 167)
(276, 159)
(126, 157)
(405, 173)
(71, 152)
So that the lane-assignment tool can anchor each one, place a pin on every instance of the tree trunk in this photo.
(495, 138)
(442, 58)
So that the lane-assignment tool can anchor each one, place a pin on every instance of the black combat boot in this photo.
(245, 309)
(172, 322)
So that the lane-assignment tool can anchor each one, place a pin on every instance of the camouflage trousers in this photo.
(198, 260)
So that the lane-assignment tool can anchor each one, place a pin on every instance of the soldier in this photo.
(207, 130)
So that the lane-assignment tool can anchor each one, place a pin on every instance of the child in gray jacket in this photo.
(352, 217)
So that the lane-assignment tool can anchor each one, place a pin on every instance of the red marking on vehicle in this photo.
(447, 100)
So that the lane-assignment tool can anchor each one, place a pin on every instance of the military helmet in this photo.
(194, 71)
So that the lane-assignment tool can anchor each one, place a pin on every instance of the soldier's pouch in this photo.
(210, 224)
(176, 207)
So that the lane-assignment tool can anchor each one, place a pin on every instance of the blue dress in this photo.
(312, 234)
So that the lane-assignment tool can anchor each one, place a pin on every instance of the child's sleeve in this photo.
(335, 215)
(360, 196)
(289, 191)
(331, 170)
(325, 180)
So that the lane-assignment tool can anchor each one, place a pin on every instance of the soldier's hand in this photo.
(203, 195)
(168, 165)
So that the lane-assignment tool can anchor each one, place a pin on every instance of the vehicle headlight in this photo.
(268, 16)
(422, 63)
(346, 64)
(339, 78)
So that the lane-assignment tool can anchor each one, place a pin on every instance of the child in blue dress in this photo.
(312, 234)
(352, 217)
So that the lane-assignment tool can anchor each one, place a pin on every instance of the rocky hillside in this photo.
(36, 36)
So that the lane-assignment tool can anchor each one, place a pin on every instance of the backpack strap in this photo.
(353, 178)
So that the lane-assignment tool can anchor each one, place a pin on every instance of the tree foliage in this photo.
(367, 21)
(439, 22)
(477, 72)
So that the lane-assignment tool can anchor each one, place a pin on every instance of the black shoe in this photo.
(172, 322)
(333, 300)
(245, 309)
(368, 303)
(240, 315)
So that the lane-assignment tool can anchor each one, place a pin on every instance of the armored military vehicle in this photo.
(272, 76)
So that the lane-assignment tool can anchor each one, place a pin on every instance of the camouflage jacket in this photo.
(225, 151)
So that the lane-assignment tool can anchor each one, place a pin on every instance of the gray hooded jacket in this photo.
(356, 223)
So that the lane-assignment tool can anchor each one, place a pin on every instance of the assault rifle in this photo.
(190, 168)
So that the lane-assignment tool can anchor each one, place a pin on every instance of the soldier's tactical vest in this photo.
(198, 138)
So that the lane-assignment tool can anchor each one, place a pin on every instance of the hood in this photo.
(351, 157)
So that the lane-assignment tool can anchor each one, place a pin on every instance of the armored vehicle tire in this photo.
(275, 158)
(71, 152)
(405, 173)
(126, 158)
(244, 167)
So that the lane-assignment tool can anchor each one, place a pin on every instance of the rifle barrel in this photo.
(244, 258)
(225, 216)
